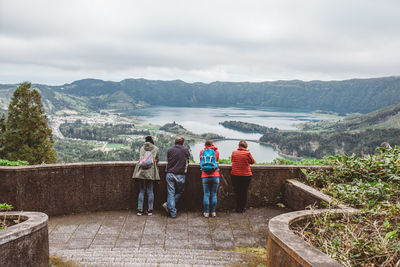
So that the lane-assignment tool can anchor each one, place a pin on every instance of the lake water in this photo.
(201, 120)
(260, 152)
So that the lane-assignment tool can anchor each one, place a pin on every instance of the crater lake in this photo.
(201, 120)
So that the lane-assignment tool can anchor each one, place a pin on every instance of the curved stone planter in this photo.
(287, 249)
(26, 243)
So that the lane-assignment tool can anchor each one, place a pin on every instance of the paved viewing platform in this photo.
(121, 238)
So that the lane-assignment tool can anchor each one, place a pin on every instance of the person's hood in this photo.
(148, 146)
(211, 147)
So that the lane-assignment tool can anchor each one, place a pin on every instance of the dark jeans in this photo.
(241, 186)
(175, 189)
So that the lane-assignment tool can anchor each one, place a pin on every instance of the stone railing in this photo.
(81, 187)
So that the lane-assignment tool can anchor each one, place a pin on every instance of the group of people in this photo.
(146, 172)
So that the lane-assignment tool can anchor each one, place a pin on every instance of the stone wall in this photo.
(26, 243)
(298, 196)
(71, 188)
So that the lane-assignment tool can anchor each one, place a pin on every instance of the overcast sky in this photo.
(57, 41)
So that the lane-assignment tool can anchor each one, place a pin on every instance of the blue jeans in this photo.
(210, 189)
(146, 185)
(175, 188)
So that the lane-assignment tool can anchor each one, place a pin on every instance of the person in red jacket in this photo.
(210, 182)
(241, 174)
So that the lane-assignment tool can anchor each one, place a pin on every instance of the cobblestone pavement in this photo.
(121, 238)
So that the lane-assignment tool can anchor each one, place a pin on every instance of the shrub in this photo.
(372, 184)
(4, 162)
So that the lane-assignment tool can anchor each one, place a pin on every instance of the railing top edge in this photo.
(132, 163)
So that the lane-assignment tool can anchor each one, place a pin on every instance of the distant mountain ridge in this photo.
(348, 96)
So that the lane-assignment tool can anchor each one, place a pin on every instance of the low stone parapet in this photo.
(71, 188)
(26, 243)
(298, 196)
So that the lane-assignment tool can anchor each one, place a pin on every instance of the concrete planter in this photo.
(26, 243)
(287, 249)
(284, 247)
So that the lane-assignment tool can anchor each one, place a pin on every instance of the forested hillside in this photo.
(385, 118)
(359, 134)
(52, 99)
(349, 96)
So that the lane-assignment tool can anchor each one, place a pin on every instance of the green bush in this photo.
(4, 207)
(372, 184)
(4, 162)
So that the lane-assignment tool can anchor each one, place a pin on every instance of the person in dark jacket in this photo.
(147, 176)
(177, 164)
(210, 183)
(241, 174)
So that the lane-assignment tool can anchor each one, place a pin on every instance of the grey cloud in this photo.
(198, 41)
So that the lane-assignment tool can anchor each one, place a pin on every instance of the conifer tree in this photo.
(27, 135)
(2, 130)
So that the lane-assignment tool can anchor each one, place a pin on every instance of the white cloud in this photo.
(60, 41)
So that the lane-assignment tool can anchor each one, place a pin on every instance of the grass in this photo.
(117, 146)
(4, 162)
(56, 261)
(331, 116)
(364, 239)
(4, 207)
(147, 127)
(252, 256)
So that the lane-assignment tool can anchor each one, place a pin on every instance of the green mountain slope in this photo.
(385, 118)
(349, 96)
(53, 100)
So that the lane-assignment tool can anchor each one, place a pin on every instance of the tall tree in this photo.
(2, 130)
(27, 135)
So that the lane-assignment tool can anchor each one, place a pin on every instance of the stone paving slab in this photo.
(121, 238)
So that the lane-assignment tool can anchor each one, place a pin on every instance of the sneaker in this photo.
(206, 215)
(149, 212)
(139, 213)
(213, 214)
(165, 208)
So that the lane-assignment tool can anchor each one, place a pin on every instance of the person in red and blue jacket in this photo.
(210, 184)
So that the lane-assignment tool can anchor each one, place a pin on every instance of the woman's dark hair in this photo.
(149, 139)
(243, 144)
(209, 143)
